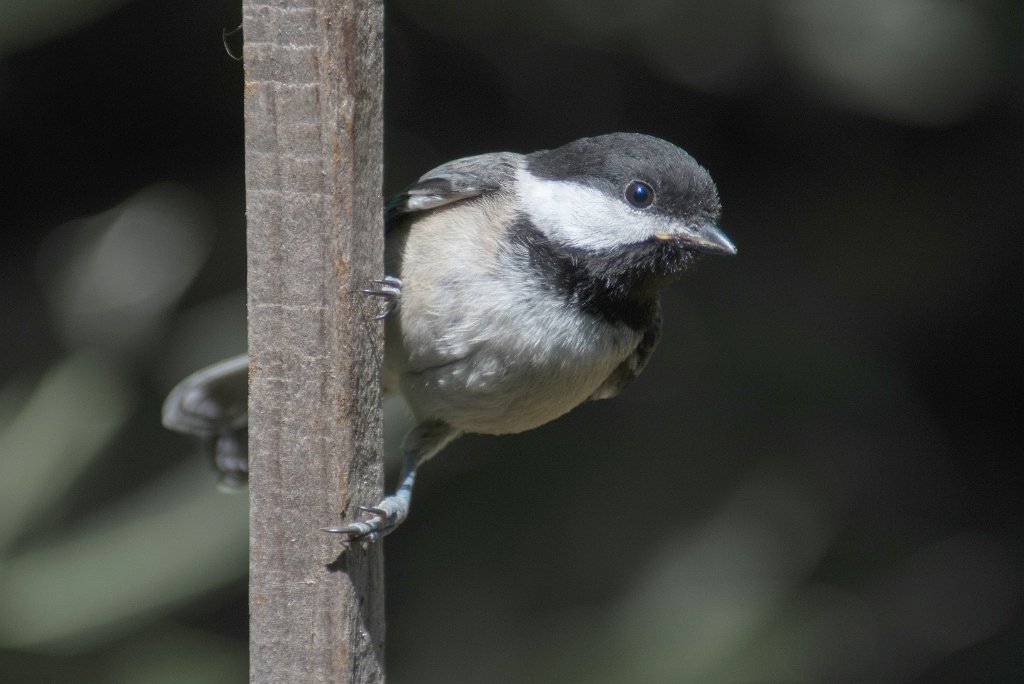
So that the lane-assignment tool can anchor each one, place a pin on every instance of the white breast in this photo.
(482, 348)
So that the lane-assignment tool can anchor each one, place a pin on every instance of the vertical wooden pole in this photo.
(313, 81)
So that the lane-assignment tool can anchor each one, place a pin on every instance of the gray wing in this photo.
(455, 181)
(628, 370)
(212, 405)
(210, 400)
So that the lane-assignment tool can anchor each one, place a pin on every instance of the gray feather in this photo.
(455, 181)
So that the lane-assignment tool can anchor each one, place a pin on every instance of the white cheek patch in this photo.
(581, 216)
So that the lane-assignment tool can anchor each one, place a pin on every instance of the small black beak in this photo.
(706, 237)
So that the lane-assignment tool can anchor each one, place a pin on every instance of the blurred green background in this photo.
(815, 480)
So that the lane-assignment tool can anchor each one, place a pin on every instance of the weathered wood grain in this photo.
(313, 80)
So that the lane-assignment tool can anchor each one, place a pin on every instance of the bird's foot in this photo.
(379, 521)
(390, 289)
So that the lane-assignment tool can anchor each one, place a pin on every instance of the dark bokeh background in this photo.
(815, 480)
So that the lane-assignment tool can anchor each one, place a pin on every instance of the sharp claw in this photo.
(379, 524)
(382, 292)
(389, 288)
(356, 532)
(375, 522)
(388, 308)
(385, 287)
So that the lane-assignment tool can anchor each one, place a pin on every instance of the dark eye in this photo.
(639, 194)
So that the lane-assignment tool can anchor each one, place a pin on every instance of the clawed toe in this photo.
(388, 287)
(380, 521)
(363, 531)
(375, 522)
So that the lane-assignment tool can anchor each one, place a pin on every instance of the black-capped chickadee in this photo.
(517, 287)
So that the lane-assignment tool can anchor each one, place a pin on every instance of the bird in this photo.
(516, 287)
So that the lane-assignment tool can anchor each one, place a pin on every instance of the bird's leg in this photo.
(422, 442)
(390, 289)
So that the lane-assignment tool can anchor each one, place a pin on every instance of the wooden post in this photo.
(313, 80)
